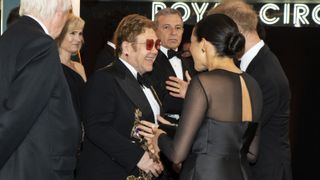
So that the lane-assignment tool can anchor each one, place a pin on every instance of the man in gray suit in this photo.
(39, 130)
(273, 160)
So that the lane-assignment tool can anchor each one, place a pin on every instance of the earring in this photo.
(126, 54)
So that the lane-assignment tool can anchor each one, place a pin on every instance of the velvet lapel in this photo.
(131, 87)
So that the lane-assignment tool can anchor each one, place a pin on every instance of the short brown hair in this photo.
(243, 14)
(129, 28)
(73, 22)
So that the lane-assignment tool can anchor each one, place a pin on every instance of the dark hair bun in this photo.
(234, 43)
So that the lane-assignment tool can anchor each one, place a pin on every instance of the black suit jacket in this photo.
(112, 95)
(274, 152)
(39, 130)
(105, 57)
(162, 69)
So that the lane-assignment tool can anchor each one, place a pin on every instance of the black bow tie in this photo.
(173, 53)
(143, 81)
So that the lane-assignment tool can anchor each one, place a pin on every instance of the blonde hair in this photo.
(73, 23)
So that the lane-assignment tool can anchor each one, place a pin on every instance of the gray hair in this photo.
(166, 12)
(43, 8)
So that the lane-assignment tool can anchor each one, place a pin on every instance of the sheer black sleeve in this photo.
(195, 106)
(254, 147)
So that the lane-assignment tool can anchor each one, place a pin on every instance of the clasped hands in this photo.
(151, 133)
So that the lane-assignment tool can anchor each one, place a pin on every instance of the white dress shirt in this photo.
(249, 55)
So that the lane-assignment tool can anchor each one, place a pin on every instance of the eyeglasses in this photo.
(150, 43)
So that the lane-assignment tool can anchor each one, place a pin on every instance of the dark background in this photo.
(297, 50)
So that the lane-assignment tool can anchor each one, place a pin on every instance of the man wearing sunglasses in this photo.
(113, 97)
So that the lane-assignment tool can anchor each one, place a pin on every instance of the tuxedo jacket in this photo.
(162, 69)
(105, 57)
(39, 129)
(274, 151)
(111, 96)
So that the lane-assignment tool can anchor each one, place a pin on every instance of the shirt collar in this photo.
(41, 24)
(249, 55)
(130, 67)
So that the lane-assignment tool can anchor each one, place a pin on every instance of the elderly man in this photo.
(39, 130)
(114, 97)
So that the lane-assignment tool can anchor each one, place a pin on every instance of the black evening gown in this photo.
(212, 140)
(76, 85)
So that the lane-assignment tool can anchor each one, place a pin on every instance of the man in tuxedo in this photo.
(111, 98)
(39, 130)
(273, 160)
(169, 63)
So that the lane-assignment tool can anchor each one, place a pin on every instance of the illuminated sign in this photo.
(284, 14)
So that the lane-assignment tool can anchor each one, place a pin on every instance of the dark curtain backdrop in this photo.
(297, 49)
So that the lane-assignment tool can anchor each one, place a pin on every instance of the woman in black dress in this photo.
(218, 128)
(69, 43)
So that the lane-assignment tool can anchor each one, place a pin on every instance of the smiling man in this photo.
(111, 98)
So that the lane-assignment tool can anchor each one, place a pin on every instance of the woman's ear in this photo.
(203, 45)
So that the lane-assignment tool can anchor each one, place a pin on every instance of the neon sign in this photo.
(285, 14)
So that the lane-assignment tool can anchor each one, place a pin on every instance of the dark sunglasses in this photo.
(150, 43)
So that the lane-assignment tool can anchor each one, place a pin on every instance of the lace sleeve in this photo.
(195, 106)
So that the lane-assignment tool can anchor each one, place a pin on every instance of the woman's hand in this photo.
(153, 144)
(164, 121)
(146, 129)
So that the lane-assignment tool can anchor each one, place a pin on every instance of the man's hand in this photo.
(178, 87)
(147, 165)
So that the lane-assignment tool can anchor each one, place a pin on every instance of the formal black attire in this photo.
(212, 139)
(274, 152)
(162, 69)
(111, 96)
(39, 129)
(105, 57)
(76, 84)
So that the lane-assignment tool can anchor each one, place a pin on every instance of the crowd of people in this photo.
(219, 110)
